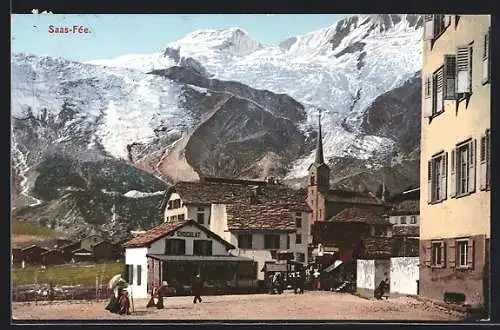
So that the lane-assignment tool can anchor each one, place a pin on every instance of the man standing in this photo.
(196, 288)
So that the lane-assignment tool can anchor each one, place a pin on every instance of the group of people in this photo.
(120, 300)
(277, 282)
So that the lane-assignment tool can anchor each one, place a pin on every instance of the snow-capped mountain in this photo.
(341, 68)
(216, 102)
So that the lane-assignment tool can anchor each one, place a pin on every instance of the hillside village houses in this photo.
(456, 159)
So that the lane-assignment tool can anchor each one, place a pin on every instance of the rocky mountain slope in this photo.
(95, 144)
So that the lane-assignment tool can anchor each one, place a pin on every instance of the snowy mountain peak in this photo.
(233, 41)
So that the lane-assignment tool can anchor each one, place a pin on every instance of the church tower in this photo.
(318, 181)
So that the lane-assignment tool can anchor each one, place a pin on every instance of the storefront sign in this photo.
(330, 249)
(188, 234)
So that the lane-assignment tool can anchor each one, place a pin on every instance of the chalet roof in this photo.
(226, 191)
(406, 207)
(400, 230)
(266, 216)
(165, 229)
(54, 251)
(354, 197)
(34, 246)
(377, 247)
(354, 214)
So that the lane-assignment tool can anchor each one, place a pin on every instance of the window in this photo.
(202, 247)
(380, 231)
(435, 25)
(437, 251)
(300, 257)
(200, 217)
(181, 217)
(175, 246)
(486, 57)
(245, 241)
(462, 254)
(402, 220)
(485, 161)
(139, 274)
(298, 239)
(298, 220)
(175, 204)
(413, 220)
(320, 216)
(271, 241)
(437, 91)
(437, 178)
(463, 164)
(464, 71)
(287, 242)
(128, 273)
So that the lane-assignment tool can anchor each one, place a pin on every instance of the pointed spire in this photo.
(319, 145)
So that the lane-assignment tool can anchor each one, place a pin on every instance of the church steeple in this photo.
(319, 144)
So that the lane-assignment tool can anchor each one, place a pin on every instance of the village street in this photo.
(314, 305)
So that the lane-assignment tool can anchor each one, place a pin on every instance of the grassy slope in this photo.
(20, 227)
(66, 274)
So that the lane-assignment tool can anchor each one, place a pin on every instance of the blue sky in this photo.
(115, 35)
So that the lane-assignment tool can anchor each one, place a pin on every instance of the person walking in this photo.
(196, 288)
(124, 303)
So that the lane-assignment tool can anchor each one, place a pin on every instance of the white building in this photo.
(262, 219)
(175, 252)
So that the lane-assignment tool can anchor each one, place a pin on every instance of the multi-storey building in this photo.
(455, 159)
(265, 220)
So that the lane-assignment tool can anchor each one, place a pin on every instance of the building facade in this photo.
(175, 252)
(263, 219)
(455, 158)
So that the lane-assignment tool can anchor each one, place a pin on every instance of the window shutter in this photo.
(444, 176)
(427, 106)
(139, 275)
(447, 20)
(482, 165)
(428, 253)
(453, 174)
(452, 254)
(428, 27)
(168, 245)
(472, 166)
(439, 90)
(429, 181)
(443, 255)
(470, 253)
(463, 69)
(182, 247)
(209, 248)
(488, 159)
(449, 69)
(486, 57)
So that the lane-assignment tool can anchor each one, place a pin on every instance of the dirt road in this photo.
(315, 305)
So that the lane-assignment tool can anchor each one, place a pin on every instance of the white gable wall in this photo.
(135, 257)
(218, 249)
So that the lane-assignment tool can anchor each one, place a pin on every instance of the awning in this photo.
(333, 266)
(164, 257)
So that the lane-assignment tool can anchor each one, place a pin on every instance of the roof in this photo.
(33, 247)
(377, 247)
(406, 207)
(51, 251)
(354, 214)
(165, 229)
(356, 197)
(227, 191)
(197, 258)
(399, 230)
(268, 216)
